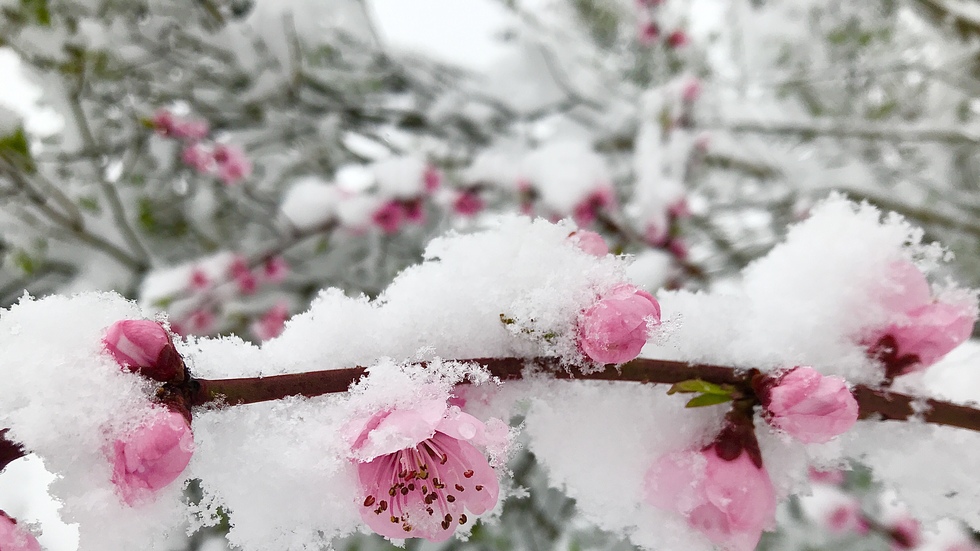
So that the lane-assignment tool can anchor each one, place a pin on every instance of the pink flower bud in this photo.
(588, 209)
(271, 324)
(677, 39)
(431, 179)
(810, 407)
(233, 164)
(414, 211)
(468, 203)
(198, 157)
(163, 122)
(590, 242)
(655, 234)
(191, 129)
(691, 91)
(14, 537)
(199, 280)
(275, 269)
(152, 456)
(614, 329)
(389, 217)
(905, 532)
(678, 248)
(648, 33)
(144, 347)
(729, 501)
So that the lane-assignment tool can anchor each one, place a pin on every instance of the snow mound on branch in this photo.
(67, 401)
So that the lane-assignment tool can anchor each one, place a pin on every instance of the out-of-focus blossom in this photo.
(199, 157)
(275, 269)
(468, 203)
(677, 39)
(431, 179)
(648, 33)
(271, 324)
(152, 456)
(589, 208)
(389, 217)
(615, 328)
(233, 164)
(590, 242)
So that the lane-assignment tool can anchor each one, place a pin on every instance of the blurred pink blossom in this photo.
(198, 157)
(588, 209)
(271, 324)
(677, 39)
(152, 456)
(905, 532)
(144, 347)
(191, 129)
(809, 406)
(14, 537)
(389, 217)
(199, 279)
(163, 122)
(431, 179)
(847, 517)
(729, 501)
(648, 32)
(468, 203)
(233, 164)
(420, 471)
(615, 328)
(590, 242)
(275, 269)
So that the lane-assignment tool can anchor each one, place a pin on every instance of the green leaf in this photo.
(708, 400)
(24, 261)
(697, 385)
(16, 148)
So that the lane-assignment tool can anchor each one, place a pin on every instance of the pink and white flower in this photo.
(14, 537)
(420, 470)
(809, 406)
(152, 456)
(730, 501)
(615, 328)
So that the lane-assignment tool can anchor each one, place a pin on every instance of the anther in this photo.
(479, 487)
(459, 487)
(445, 525)
(468, 473)
(394, 519)
(443, 460)
(369, 501)
(462, 519)
(407, 527)
(450, 498)
(383, 505)
(404, 491)
(411, 487)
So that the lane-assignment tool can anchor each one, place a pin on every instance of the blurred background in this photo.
(220, 161)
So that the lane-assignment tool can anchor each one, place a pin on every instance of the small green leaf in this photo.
(24, 261)
(697, 385)
(708, 400)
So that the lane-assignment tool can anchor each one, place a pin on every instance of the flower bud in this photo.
(590, 242)
(144, 347)
(811, 407)
(151, 456)
(615, 328)
(14, 537)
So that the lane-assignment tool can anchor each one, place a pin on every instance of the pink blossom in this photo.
(233, 164)
(679, 209)
(615, 328)
(810, 407)
(14, 537)
(414, 211)
(590, 242)
(832, 477)
(431, 179)
(389, 217)
(656, 234)
(275, 269)
(905, 532)
(678, 248)
(648, 32)
(144, 347)
(588, 209)
(677, 39)
(152, 456)
(420, 471)
(847, 517)
(905, 288)
(199, 322)
(729, 501)
(163, 122)
(199, 279)
(271, 324)
(191, 129)
(198, 157)
(691, 91)
(244, 278)
(468, 203)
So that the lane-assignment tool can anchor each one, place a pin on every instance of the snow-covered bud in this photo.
(233, 164)
(14, 537)
(721, 490)
(420, 471)
(809, 406)
(151, 456)
(590, 242)
(144, 347)
(614, 329)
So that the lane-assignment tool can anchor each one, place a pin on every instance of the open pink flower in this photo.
(151, 456)
(811, 407)
(420, 471)
(729, 501)
(590, 242)
(922, 329)
(614, 329)
(14, 537)
(233, 164)
(144, 347)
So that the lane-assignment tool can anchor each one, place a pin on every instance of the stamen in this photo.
(392, 491)
(425, 489)
(411, 487)
(462, 519)
(394, 519)
(383, 505)
(445, 524)
(407, 527)
(444, 459)
(450, 498)
(369, 501)
(404, 491)
(479, 487)
(459, 487)
(468, 473)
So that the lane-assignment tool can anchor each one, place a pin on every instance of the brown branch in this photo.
(9, 450)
